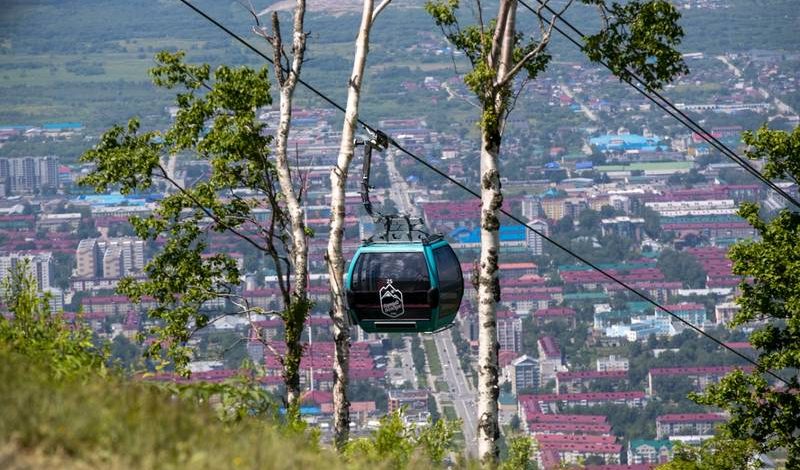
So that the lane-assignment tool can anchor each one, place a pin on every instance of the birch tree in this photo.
(287, 71)
(216, 122)
(639, 35)
(334, 257)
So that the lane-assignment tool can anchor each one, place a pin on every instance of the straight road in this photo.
(588, 112)
(461, 393)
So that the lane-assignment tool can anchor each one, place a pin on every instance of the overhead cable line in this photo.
(667, 106)
(511, 216)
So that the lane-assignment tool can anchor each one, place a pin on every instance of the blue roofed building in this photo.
(626, 142)
(62, 126)
(112, 199)
(513, 238)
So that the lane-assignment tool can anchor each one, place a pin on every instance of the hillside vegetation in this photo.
(63, 406)
(113, 423)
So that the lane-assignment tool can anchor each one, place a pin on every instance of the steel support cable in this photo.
(667, 107)
(449, 178)
(590, 264)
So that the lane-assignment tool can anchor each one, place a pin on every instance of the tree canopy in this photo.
(681, 266)
(762, 408)
(216, 122)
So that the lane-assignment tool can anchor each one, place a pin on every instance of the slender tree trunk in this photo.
(341, 326)
(488, 296)
(296, 312)
(491, 203)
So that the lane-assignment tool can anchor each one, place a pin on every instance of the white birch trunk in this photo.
(341, 326)
(488, 276)
(298, 245)
(488, 296)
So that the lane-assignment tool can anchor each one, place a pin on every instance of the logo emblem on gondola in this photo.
(391, 300)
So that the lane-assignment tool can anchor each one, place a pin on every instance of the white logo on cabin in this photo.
(391, 300)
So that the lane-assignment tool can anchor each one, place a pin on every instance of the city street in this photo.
(460, 392)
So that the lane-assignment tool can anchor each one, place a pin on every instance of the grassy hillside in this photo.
(112, 423)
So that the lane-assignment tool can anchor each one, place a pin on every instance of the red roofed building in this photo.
(318, 360)
(701, 376)
(687, 424)
(552, 402)
(591, 279)
(711, 229)
(561, 418)
(575, 448)
(15, 222)
(415, 401)
(569, 428)
(577, 381)
(693, 313)
(659, 290)
(550, 360)
(525, 300)
(545, 315)
(740, 345)
(316, 397)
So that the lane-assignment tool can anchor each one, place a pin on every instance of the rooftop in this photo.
(690, 418)
(591, 374)
(717, 370)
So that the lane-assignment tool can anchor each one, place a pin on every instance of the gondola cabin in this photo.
(404, 287)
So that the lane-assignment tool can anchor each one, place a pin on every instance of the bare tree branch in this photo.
(377, 11)
(546, 34)
(277, 49)
(499, 29)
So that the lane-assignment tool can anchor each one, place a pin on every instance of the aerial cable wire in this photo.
(675, 112)
(511, 216)
(667, 106)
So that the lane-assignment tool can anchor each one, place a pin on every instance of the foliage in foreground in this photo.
(398, 445)
(63, 407)
(32, 331)
(116, 423)
(718, 453)
(764, 410)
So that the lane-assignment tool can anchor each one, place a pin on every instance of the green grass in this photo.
(449, 412)
(441, 386)
(434, 363)
(422, 381)
(113, 423)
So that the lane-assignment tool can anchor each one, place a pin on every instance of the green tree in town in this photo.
(762, 409)
(652, 223)
(681, 266)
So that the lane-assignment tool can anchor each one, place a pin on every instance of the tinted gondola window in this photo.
(451, 282)
(407, 271)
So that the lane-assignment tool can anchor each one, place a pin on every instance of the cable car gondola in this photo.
(401, 280)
